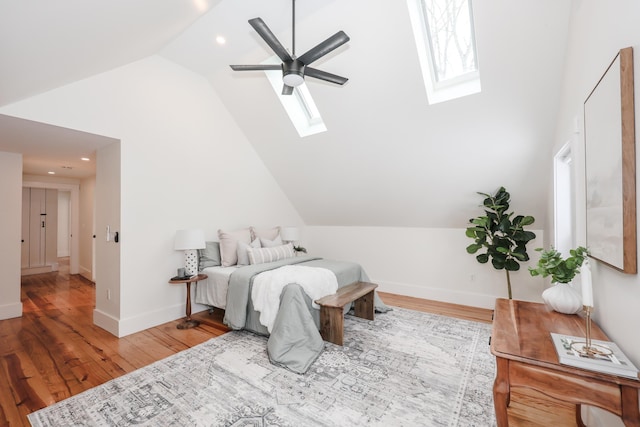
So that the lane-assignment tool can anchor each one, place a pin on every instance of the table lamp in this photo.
(190, 241)
(289, 234)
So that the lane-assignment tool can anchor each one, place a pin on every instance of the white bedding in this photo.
(267, 287)
(213, 291)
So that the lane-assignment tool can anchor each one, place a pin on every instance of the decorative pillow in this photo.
(243, 256)
(262, 255)
(229, 245)
(266, 243)
(209, 256)
(266, 233)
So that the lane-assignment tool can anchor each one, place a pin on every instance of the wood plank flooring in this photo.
(54, 351)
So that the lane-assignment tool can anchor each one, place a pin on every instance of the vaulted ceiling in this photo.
(388, 157)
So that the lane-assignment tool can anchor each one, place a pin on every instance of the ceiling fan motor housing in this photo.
(294, 68)
(293, 73)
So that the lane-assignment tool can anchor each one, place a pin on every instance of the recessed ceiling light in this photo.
(201, 5)
(51, 173)
(220, 40)
(85, 159)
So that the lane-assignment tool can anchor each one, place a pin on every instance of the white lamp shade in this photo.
(189, 239)
(289, 234)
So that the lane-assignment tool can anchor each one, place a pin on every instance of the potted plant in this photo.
(501, 235)
(562, 297)
(299, 249)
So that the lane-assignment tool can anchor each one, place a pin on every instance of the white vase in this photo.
(563, 298)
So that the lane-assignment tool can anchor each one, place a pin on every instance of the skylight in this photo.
(445, 38)
(300, 107)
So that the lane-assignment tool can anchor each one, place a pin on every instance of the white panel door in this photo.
(26, 204)
(37, 227)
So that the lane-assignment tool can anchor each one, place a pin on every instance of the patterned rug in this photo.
(406, 368)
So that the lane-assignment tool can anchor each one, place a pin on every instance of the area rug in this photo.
(405, 368)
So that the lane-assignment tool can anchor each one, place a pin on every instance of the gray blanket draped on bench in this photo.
(295, 341)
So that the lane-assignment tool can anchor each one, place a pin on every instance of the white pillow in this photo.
(229, 245)
(243, 256)
(266, 233)
(262, 255)
(266, 243)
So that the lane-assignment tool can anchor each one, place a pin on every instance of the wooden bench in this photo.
(332, 309)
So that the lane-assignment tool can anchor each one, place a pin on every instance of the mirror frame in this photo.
(610, 166)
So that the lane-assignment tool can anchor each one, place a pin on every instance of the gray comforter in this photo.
(294, 341)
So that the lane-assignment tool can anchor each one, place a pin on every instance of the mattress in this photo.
(213, 290)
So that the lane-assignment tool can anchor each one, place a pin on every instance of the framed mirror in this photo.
(609, 131)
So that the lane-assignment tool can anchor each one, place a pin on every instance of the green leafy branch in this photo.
(500, 235)
(561, 270)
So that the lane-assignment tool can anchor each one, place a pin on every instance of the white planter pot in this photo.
(563, 298)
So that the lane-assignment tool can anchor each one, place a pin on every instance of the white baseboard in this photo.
(438, 294)
(150, 319)
(36, 270)
(106, 322)
(142, 321)
(130, 325)
(86, 273)
(9, 311)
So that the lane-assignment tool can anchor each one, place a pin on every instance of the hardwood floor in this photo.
(54, 351)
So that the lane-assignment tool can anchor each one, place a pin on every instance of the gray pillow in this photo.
(266, 243)
(243, 257)
(209, 256)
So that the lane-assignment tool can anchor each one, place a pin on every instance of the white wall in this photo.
(598, 31)
(184, 163)
(50, 179)
(427, 263)
(87, 203)
(64, 223)
(108, 253)
(10, 229)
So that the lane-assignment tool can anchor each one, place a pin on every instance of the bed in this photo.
(294, 341)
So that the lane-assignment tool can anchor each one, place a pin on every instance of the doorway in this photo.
(45, 147)
(564, 206)
(74, 201)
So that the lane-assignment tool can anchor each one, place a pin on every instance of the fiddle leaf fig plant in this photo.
(561, 270)
(500, 236)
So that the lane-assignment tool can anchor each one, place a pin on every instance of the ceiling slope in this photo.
(388, 158)
(47, 44)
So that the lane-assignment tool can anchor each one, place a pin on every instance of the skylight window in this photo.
(300, 107)
(445, 38)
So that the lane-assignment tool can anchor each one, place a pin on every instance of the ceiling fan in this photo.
(294, 69)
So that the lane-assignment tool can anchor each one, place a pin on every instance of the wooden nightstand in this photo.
(189, 322)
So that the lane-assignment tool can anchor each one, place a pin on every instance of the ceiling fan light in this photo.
(293, 79)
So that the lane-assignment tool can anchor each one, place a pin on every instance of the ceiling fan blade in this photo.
(266, 34)
(323, 75)
(332, 43)
(256, 67)
(287, 90)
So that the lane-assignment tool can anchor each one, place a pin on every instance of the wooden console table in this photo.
(526, 357)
